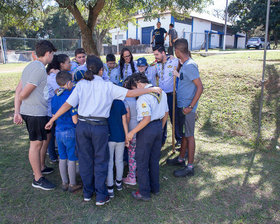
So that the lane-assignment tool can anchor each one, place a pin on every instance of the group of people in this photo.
(95, 110)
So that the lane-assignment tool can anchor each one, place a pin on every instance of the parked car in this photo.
(257, 42)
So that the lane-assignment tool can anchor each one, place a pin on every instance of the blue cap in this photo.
(142, 62)
(79, 74)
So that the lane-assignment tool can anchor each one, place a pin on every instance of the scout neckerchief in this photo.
(162, 67)
(62, 89)
(156, 95)
(125, 72)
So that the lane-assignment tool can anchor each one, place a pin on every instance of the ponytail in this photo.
(94, 64)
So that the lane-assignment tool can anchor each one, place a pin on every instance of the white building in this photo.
(201, 30)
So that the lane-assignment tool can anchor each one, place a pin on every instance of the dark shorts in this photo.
(36, 127)
(186, 123)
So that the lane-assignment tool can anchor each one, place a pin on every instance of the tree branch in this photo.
(94, 12)
(78, 16)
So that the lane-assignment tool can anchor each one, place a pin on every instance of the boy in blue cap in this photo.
(149, 71)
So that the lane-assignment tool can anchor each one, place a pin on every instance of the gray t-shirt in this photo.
(36, 103)
(173, 34)
(186, 88)
(130, 103)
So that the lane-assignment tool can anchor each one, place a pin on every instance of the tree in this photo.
(251, 15)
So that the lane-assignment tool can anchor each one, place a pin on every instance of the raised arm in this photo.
(139, 92)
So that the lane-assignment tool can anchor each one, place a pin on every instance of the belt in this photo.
(94, 120)
(156, 120)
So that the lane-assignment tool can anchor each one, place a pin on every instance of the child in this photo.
(152, 113)
(60, 62)
(111, 70)
(95, 97)
(118, 131)
(130, 104)
(149, 71)
(65, 133)
(78, 75)
(80, 59)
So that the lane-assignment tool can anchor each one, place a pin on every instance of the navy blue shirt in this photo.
(64, 122)
(159, 35)
(115, 122)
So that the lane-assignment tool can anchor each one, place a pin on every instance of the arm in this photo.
(17, 103)
(27, 90)
(165, 35)
(143, 123)
(153, 38)
(75, 118)
(164, 119)
(199, 90)
(125, 128)
(65, 107)
(170, 42)
(139, 92)
(128, 115)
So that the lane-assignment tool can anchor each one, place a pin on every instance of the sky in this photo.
(218, 4)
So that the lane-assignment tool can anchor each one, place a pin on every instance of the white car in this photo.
(257, 42)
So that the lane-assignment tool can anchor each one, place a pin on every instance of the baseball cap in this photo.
(78, 75)
(142, 62)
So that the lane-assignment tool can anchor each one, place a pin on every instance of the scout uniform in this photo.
(95, 100)
(127, 70)
(112, 74)
(149, 141)
(84, 68)
(165, 75)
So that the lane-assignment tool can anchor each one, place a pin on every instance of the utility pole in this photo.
(225, 28)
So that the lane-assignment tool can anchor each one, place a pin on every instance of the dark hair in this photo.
(159, 22)
(44, 46)
(171, 24)
(182, 46)
(63, 77)
(128, 82)
(122, 61)
(110, 57)
(57, 60)
(160, 49)
(138, 77)
(94, 64)
(79, 51)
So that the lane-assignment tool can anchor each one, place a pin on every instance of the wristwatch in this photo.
(190, 107)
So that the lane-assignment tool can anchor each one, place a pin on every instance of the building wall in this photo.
(241, 42)
(199, 27)
(230, 41)
(114, 34)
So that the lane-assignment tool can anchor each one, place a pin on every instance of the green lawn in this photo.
(236, 181)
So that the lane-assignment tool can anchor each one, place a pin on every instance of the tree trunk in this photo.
(88, 42)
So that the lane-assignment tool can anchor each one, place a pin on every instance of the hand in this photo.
(129, 136)
(187, 110)
(55, 71)
(152, 42)
(156, 90)
(175, 72)
(126, 142)
(170, 44)
(49, 125)
(17, 119)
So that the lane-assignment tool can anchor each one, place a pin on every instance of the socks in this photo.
(181, 159)
(118, 182)
(72, 172)
(190, 166)
(63, 170)
(110, 189)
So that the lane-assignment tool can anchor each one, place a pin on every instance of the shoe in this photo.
(99, 203)
(43, 184)
(138, 196)
(129, 181)
(47, 170)
(184, 172)
(73, 188)
(111, 192)
(53, 161)
(64, 187)
(155, 193)
(87, 199)
(119, 185)
(178, 143)
(175, 162)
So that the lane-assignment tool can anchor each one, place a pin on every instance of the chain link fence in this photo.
(16, 49)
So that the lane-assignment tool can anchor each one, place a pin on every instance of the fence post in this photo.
(2, 51)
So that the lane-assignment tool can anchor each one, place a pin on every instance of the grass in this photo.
(236, 181)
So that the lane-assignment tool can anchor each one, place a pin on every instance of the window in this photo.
(120, 37)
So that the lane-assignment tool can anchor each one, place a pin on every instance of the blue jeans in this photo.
(51, 146)
(170, 107)
(66, 144)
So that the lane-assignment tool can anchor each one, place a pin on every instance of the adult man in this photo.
(189, 91)
(31, 106)
(173, 36)
(158, 36)
(165, 66)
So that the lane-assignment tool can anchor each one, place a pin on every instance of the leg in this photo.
(119, 160)
(110, 177)
(132, 161)
(34, 158)
(86, 155)
(51, 146)
(191, 149)
(43, 151)
(183, 147)
(170, 107)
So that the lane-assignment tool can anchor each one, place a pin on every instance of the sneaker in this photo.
(47, 170)
(99, 203)
(73, 188)
(129, 181)
(111, 193)
(64, 187)
(138, 196)
(184, 172)
(43, 184)
(119, 186)
(87, 199)
(175, 162)
(53, 161)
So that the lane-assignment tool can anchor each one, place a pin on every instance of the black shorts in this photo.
(36, 127)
